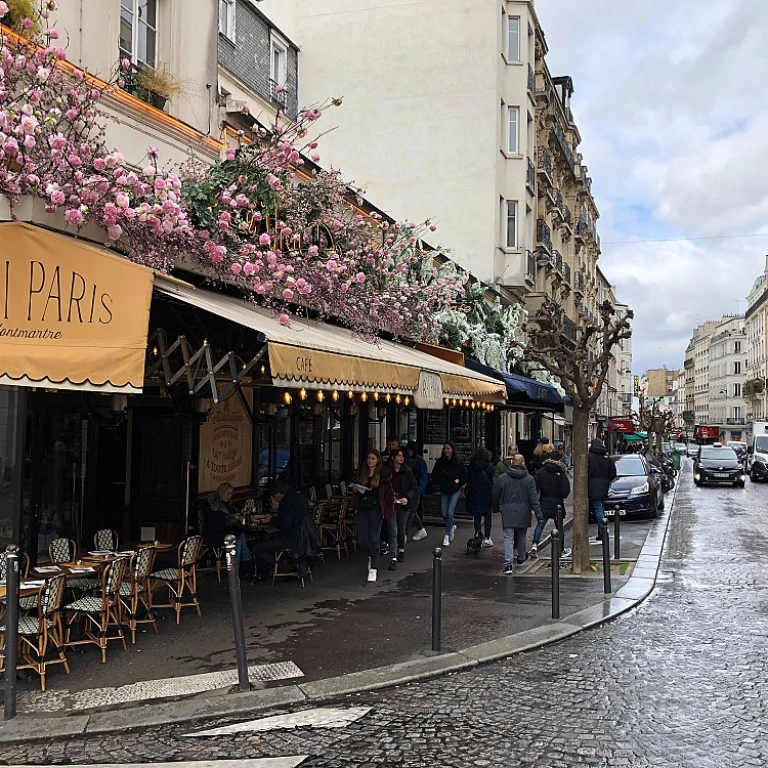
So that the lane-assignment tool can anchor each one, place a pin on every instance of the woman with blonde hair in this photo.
(220, 517)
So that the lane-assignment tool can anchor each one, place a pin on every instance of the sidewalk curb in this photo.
(639, 586)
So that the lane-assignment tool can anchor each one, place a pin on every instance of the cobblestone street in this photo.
(679, 682)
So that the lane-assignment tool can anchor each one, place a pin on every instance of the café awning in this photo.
(316, 355)
(522, 391)
(72, 315)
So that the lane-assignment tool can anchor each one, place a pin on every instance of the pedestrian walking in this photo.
(419, 468)
(554, 488)
(504, 464)
(515, 496)
(601, 470)
(405, 493)
(540, 454)
(480, 493)
(374, 500)
(450, 476)
(393, 443)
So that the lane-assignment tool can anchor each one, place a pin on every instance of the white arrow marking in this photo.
(322, 717)
(264, 762)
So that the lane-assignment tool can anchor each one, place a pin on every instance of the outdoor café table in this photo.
(27, 588)
(72, 570)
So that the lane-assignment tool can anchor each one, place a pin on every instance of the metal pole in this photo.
(555, 574)
(437, 596)
(616, 534)
(11, 631)
(237, 613)
(607, 561)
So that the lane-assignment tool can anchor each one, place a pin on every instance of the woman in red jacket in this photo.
(374, 500)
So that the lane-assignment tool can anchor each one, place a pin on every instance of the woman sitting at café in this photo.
(220, 517)
(374, 500)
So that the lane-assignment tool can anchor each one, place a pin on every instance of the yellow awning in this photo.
(71, 315)
(316, 355)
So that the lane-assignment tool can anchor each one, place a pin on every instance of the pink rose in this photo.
(360, 277)
(58, 197)
(265, 239)
(74, 217)
(249, 268)
(287, 294)
(284, 319)
(115, 231)
(99, 164)
(236, 269)
(122, 201)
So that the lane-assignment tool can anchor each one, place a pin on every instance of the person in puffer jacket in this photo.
(554, 488)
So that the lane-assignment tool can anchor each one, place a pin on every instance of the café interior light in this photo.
(398, 399)
(448, 401)
(407, 400)
(320, 395)
(263, 369)
(376, 396)
(363, 397)
(388, 397)
(351, 395)
(303, 393)
(453, 402)
(287, 399)
(335, 396)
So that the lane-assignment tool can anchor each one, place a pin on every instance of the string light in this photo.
(287, 399)
(335, 396)
(376, 397)
(350, 395)
(388, 397)
(303, 393)
(320, 395)
(398, 399)
(363, 397)
(263, 370)
(453, 403)
(448, 401)
(407, 400)
(461, 403)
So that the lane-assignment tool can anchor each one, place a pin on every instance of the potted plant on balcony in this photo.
(156, 86)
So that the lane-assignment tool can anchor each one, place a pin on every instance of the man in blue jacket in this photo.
(419, 468)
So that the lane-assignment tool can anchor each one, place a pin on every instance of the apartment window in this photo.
(737, 346)
(737, 367)
(511, 229)
(737, 390)
(513, 130)
(138, 31)
(736, 411)
(513, 38)
(227, 18)
(278, 61)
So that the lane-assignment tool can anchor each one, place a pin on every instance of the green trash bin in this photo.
(676, 460)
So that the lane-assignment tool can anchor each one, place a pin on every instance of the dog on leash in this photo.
(475, 544)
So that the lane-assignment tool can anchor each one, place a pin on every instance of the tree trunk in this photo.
(580, 490)
(659, 441)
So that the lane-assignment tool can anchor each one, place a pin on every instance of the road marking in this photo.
(264, 762)
(148, 690)
(321, 717)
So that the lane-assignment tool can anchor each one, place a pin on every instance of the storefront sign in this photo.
(226, 446)
(707, 433)
(70, 313)
(621, 424)
(429, 395)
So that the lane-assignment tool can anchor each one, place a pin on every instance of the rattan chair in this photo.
(181, 579)
(285, 556)
(135, 592)
(41, 636)
(106, 539)
(62, 551)
(101, 613)
(332, 532)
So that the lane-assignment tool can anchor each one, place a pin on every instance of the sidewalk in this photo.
(334, 636)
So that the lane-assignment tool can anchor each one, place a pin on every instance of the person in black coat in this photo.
(220, 517)
(291, 511)
(480, 493)
(601, 471)
(450, 476)
(554, 488)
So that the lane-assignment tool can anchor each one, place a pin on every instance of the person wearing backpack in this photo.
(554, 488)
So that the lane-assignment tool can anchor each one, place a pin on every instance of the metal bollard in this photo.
(616, 534)
(437, 596)
(237, 613)
(11, 631)
(606, 562)
(555, 574)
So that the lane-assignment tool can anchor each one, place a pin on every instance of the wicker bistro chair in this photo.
(106, 539)
(101, 613)
(331, 534)
(23, 565)
(62, 551)
(181, 579)
(135, 592)
(41, 636)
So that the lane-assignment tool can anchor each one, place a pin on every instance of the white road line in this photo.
(264, 762)
(321, 717)
(147, 690)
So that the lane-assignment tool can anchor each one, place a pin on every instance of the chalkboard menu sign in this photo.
(434, 427)
(461, 434)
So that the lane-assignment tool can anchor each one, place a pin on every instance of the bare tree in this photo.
(654, 420)
(581, 365)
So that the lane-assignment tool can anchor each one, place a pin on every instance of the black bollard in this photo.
(555, 574)
(11, 630)
(616, 534)
(606, 562)
(437, 596)
(237, 613)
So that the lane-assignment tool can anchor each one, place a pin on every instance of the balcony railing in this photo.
(545, 162)
(557, 261)
(567, 219)
(530, 265)
(280, 97)
(544, 235)
(580, 282)
(563, 142)
(569, 329)
(736, 421)
(567, 273)
(531, 79)
(530, 177)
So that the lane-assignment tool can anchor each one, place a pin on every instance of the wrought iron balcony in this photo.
(565, 147)
(557, 260)
(530, 265)
(567, 273)
(531, 79)
(735, 421)
(545, 163)
(530, 177)
(580, 282)
(569, 329)
(280, 97)
(544, 235)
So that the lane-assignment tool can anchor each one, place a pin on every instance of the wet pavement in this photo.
(679, 682)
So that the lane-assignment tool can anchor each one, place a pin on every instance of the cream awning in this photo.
(316, 355)
(72, 316)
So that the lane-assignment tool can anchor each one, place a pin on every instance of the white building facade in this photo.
(726, 375)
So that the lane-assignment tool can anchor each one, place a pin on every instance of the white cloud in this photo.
(670, 103)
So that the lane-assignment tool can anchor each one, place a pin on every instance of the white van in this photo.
(757, 448)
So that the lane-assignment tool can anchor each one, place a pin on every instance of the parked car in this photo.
(718, 465)
(740, 449)
(693, 449)
(636, 491)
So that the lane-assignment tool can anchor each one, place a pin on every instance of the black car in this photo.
(636, 491)
(718, 465)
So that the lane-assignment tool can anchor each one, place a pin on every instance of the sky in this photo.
(671, 101)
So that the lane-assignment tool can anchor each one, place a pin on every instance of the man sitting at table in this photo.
(220, 518)
(291, 511)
